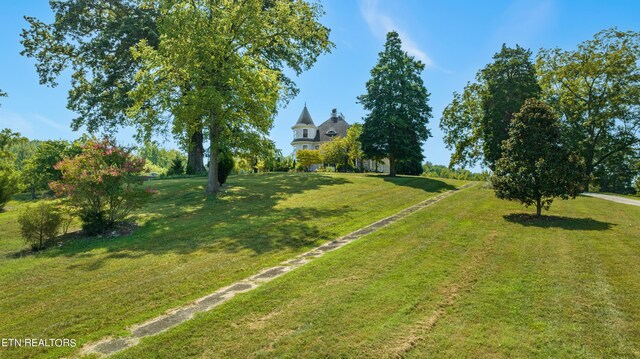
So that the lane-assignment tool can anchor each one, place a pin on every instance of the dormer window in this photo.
(331, 133)
(305, 133)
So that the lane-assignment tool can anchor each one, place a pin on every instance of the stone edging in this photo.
(108, 346)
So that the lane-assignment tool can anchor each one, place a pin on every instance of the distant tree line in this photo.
(441, 171)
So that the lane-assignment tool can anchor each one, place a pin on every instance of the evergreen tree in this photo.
(477, 121)
(397, 102)
(535, 166)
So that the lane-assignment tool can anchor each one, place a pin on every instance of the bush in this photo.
(40, 224)
(103, 184)
(225, 166)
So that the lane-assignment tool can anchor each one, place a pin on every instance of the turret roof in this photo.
(305, 117)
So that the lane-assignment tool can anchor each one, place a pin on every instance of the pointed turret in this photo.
(305, 117)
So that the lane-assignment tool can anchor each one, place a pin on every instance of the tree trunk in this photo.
(538, 207)
(213, 186)
(195, 163)
(392, 166)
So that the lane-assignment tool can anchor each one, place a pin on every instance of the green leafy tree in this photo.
(306, 158)
(40, 169)
(596, 89)
(616, 174)
(8, 176)
(354, 146)
(536, 167)
(334, 152)
(477, 121)
(8, 182)
(93, 39)
(22, 151)
(231, 56)
(397, 101)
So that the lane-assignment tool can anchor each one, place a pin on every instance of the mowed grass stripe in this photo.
(499, 287)
(186, 247)
(347, 303)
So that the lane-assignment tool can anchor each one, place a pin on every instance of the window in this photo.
(305, 147)
(305, 133)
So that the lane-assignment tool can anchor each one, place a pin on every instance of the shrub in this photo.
(225, 166)
(103, 184)
(40, 224)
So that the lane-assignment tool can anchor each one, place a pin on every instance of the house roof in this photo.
(334, 126)
(305, 117)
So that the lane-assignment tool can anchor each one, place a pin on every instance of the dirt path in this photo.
(608, 197)
(108, 346)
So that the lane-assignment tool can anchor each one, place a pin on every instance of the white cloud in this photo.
(51, 123)
(380, 24)
(15, 122)
(523, 20)
(34, 126)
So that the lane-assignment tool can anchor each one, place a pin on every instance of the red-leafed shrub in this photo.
(103, 183)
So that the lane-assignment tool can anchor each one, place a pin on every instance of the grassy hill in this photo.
(186, 247)
(468, 277)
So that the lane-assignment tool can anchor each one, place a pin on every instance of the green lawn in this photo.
(468, 277)
(186, 247)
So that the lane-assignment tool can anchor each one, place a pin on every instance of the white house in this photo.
(308, 136)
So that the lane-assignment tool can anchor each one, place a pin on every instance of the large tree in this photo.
(477, 121)
(398, 105)
(596, 89)
(93, 39)
(231, 55)
(536, 167)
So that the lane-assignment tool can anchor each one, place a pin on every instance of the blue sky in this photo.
(453, 38)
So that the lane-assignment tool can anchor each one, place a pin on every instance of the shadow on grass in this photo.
(244, 217)
(423, 183)
(583, 224)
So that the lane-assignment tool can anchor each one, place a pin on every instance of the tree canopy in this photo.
(231, 57)
(397, 101)
(93, 39)
(536, 167)
(477, 121)
(596, 89)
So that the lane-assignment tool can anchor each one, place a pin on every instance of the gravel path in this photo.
(608, 197)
